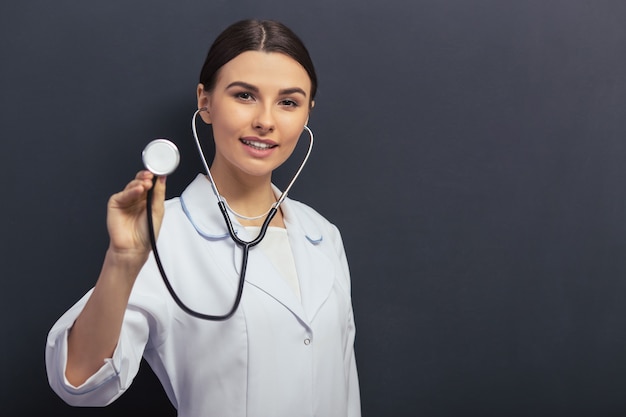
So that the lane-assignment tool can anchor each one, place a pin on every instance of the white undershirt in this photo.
(276, 247)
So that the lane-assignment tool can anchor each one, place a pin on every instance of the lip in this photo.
(264, 146)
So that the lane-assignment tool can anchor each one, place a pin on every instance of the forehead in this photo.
(265, 70)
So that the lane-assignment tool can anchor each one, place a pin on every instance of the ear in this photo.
(203, 102)
(310, 109)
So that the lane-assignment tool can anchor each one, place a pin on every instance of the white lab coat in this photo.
(276, 357)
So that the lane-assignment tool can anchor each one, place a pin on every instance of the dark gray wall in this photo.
(472, 152)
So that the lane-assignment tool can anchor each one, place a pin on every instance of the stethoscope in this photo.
(161, 157)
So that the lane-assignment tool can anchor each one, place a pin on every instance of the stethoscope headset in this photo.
(161, 157)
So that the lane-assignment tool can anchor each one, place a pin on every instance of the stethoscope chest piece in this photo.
(161, 157)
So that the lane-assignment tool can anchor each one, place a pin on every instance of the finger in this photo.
(143, 179)
(144, 174)
(159, 189)
(127, 197)
(135, 191)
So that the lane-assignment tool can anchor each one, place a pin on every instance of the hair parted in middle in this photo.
(255, 35)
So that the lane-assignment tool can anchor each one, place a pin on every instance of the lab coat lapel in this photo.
(315, 273)
(315, 270)
(262, 274)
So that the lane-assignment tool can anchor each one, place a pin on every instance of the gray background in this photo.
(471, 152)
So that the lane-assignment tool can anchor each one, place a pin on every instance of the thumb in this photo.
(159, 190)
(158, 198)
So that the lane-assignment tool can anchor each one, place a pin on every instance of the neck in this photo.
(246, 195)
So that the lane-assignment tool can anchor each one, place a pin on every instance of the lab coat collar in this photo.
(315, 270)
(200, 205)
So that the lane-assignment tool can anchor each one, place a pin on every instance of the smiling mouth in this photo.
(257, 145)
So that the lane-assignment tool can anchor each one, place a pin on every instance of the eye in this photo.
(289, 103)
(244, 95)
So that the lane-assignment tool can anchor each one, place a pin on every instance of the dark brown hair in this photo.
(255, 35)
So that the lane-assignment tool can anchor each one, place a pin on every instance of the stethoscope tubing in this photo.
(245, 246)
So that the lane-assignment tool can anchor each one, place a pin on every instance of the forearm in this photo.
(96, 331)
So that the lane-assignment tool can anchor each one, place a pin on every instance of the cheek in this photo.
(227, 121)
(293, 126)
(296, 136)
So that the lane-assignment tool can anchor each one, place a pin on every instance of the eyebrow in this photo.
(285, 91)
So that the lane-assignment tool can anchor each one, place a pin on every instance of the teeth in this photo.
(258, 145)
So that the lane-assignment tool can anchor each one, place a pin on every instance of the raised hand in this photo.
(126, 215)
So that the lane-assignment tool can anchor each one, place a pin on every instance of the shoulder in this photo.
(173, 208)
(315, 225)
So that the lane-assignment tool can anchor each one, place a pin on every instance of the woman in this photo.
(288, 348)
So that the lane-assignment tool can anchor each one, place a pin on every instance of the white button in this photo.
(307, 341)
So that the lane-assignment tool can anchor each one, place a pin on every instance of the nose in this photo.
(264, 119)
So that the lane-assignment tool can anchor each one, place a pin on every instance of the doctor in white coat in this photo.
(289, 348)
